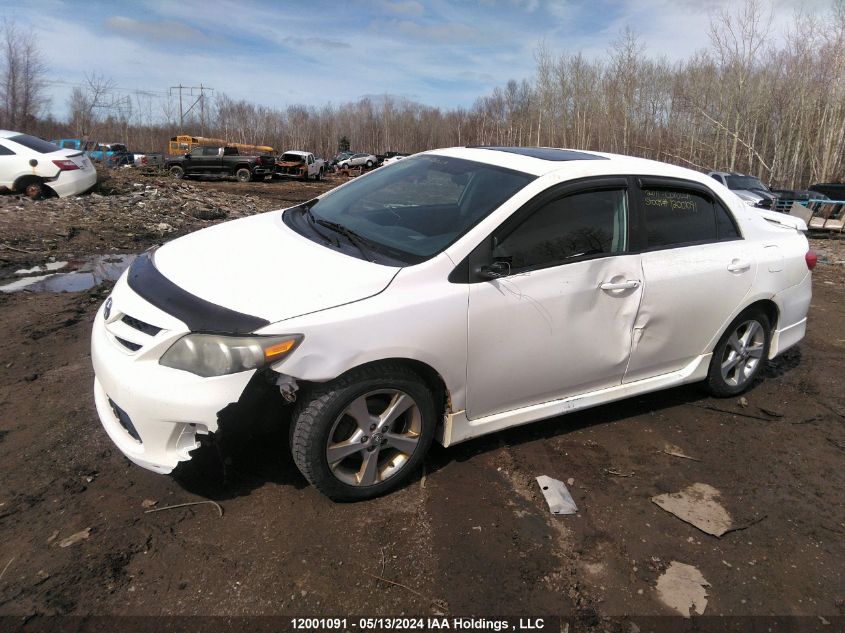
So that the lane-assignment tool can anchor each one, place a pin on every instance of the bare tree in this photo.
(22, 79)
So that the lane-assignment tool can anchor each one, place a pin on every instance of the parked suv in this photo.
(35, 167)
(455, 293)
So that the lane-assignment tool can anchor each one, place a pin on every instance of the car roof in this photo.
(571, 164)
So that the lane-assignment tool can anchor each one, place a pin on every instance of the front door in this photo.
(558, 322)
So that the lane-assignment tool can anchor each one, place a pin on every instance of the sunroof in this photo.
(544, 153)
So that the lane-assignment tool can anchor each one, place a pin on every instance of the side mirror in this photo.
(499, 268)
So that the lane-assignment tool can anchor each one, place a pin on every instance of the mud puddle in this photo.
(68, 276)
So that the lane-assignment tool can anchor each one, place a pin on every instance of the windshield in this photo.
(415, 208)
(745, 182)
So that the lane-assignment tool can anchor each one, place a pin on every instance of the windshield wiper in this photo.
(306, 211)
(356, 240)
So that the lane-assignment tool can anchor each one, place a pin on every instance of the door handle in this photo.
(739, 266)
(620, 285)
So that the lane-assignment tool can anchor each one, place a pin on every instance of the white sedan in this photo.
(35, 167)
(456, 293)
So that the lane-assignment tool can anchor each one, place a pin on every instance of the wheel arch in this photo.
(430, 376)
(768, 307)
(22, 181)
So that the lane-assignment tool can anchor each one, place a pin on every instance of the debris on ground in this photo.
(148, 503)
(130, 211)
(73, 539)
(674, 451)
(185, 505)
(682, 588)
(697, 505)
(557, 495)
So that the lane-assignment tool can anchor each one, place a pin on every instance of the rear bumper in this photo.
(72, 183)
(793, 304)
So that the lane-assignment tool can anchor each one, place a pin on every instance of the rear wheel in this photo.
(365, 433)
(369, 164)
(243, 175)
(177, 172)
(34, 189)
(740, 354)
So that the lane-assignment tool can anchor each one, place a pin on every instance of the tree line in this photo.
(752, 101)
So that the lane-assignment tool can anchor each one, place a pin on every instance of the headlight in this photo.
(212, 355)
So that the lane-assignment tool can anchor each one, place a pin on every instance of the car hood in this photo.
(259, 266)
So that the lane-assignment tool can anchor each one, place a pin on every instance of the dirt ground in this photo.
(472, 535)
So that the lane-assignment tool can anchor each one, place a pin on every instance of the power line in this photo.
(200, 99)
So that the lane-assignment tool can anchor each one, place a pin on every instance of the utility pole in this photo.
(200, 98)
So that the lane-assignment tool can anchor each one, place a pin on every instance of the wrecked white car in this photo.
(452, 294)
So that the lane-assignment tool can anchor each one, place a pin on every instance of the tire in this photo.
(369, 164)
(325, 418)
(740, 354)
(319, 176)
(177, 172)
(34, 189)
(243, 174)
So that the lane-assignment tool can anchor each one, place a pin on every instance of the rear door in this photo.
(697, 269)
(558, 321)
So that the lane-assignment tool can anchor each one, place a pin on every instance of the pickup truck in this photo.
(220, 161)
(301, 164)
(112, 154)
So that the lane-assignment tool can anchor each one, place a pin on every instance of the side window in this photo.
(677, 216)
(5, 151)
(725, 225)
(577, 225)
(197, 151)
(211, 151)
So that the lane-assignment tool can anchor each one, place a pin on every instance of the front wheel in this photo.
(243, 175)
(740, 354)
(369, 164)
(177, 172)
(364, 433)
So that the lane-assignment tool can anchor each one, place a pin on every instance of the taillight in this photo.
(65, 165)
(812, 259)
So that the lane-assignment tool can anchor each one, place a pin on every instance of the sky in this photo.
(277, 53)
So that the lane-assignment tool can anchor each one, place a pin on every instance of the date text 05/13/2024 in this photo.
(419, 624)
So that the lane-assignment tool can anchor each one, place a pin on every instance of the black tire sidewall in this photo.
(239, 175)
(177, 172)
(318, 410)
(715, 383)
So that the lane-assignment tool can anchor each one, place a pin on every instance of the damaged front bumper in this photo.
(153, 414)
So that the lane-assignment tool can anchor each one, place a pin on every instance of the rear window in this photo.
(35, 144)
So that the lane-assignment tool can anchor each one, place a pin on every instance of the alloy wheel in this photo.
(743, 353)
(374, 437)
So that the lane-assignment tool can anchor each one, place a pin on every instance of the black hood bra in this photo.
(198, 314)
